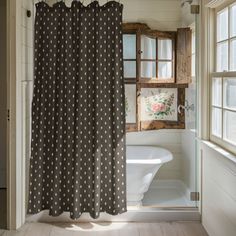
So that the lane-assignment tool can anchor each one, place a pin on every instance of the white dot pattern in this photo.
(78, 114)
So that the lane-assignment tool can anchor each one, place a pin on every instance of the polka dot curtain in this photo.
(78, 115)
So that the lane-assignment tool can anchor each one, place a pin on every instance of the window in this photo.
(157, 58)
(129, 56)
(153, 91)
(223, 80)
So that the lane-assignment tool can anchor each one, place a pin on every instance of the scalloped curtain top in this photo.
(77, 4)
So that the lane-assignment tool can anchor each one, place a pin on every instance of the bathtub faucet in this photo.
(186, 107)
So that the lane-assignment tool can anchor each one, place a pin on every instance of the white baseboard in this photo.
(139, 215)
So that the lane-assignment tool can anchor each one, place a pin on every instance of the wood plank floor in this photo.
(109, 229)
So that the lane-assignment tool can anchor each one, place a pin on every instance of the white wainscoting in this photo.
(169, 139)
(218, 191)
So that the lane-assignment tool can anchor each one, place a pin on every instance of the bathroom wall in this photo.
(161, 15)
(169, 139)
(3, 95)
(218, 190)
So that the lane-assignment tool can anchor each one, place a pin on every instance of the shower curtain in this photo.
(78, 111)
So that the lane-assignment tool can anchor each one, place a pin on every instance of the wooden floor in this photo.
(109, 229)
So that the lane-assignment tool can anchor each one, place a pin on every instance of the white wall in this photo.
(169, 139)
(218, 191)
(3, 95)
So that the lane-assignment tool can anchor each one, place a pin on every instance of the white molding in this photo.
(215, 3)
(229, 156)
(15, 168)
(138, 215)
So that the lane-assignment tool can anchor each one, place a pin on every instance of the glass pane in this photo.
(164, 69)
(233, 55)
(233, 20)
(148, 47)
(230, 93)
(148, 69)
(130, 103)
(130, 69)
(129, 46)
(216, 121)
(222, 56)
(230, 126)
(222, 25)
(217, 92)
(164, 49)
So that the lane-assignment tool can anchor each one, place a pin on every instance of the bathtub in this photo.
(143, 162)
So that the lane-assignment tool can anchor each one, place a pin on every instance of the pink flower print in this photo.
(158, 107)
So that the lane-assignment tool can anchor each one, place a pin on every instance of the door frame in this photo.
(16, 199)
(15, 160)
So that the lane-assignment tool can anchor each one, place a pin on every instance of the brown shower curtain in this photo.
(78, 114)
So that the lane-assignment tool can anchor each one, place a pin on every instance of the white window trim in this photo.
(213, 59)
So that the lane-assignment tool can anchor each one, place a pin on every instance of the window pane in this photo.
(164, 49)
(222, 56)
(230, 93)
(233, 55)
(129, 46)
(217, 92)
(130, 69)
(130, 103)
(164, 70)
(233, 21)
(216, 121)
(230, 126)
(222, 25)
(148, 47)
(148, 69)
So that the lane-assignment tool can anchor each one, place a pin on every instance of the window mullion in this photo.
(229, 39)
(157, 58)
(222, 108)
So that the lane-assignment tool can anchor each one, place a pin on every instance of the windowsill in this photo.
(220, 150)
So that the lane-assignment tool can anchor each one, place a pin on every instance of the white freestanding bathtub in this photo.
(143, 162)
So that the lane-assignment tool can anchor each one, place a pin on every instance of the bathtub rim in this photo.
(156, 160)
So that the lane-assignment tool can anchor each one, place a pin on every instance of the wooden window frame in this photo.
(221, 141)
(139, 29)
(158, 35)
